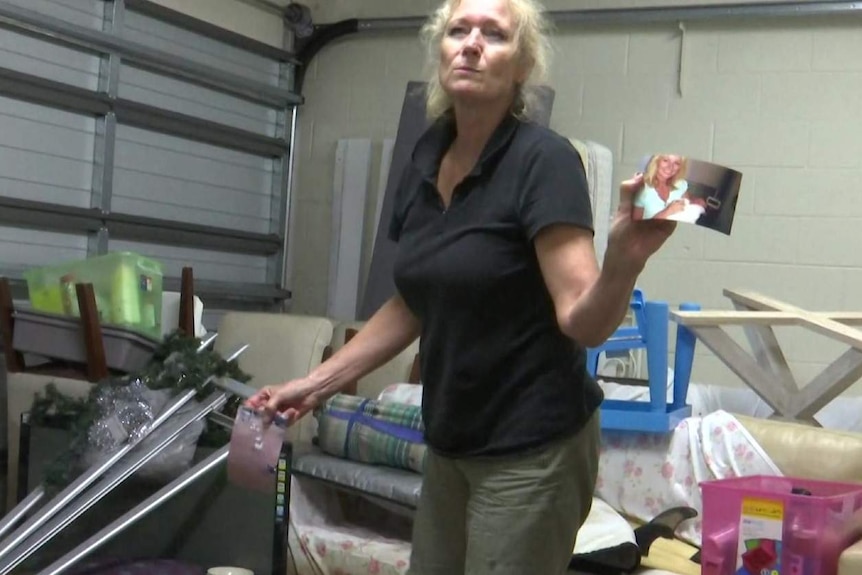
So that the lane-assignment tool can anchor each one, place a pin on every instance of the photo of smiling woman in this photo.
(665, 194)
(686, 190)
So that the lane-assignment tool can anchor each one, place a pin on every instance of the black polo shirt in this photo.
(498, 374)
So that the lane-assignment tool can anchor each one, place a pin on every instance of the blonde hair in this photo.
(652, 170)
(533, 47)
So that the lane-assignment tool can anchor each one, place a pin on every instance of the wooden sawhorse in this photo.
(765, 369)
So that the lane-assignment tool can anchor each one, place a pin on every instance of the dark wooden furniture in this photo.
(95, 369)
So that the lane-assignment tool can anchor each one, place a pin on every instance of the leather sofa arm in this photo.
(850, 562)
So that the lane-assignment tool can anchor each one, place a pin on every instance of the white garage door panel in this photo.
(176, 200)
(216, 266)
(145, 30)
(21, 249)
(79, 12)
(191, 164)
(47, 116)
(33, 135)
(154, 181)
(45, 177)
(184, 98)
(32, 56)
(45, 155)
(172, 144)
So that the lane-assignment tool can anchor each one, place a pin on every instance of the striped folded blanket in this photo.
(371, 431)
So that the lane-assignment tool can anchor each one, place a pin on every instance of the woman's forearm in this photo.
(600, 310)
(388, 332)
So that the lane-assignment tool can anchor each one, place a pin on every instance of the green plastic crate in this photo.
(128, 289)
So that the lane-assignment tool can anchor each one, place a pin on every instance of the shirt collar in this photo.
(438, 137)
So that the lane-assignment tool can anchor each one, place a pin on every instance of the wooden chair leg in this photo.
(187, 303)
(91, 328)
(14, 359)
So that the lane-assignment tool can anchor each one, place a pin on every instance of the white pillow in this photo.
(606, 542)
(407, 393)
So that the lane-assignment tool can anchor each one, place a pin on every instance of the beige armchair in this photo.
(281, 347)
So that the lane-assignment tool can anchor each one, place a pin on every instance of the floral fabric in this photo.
(641, 475)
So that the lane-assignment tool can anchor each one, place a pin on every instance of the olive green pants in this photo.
(512, 515)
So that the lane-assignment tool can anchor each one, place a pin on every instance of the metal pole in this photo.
(20, 510)
(140, 511)
(105, 136)
(105, 485)
(288, 205)
(80, 484)
(92, 474)
(656, 14)
(35, 496)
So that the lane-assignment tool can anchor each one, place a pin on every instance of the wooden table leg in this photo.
(832, 382)
(743, 365)
(768, 354)
(91, 329)
(187, 303)
(14, 359)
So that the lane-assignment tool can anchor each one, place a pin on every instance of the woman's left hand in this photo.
(631, 243)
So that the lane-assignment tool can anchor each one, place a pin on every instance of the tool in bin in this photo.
(660, 549)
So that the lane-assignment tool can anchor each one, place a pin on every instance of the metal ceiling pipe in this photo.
(619, 16)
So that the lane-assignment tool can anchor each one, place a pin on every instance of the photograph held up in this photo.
(682, 189)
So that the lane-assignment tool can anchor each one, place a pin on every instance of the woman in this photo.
(665, 193)
(496, 271)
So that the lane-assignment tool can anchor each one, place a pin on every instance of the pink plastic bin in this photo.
(816, 520)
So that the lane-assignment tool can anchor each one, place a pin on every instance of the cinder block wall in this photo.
(779, 100)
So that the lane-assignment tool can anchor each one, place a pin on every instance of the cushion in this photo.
(394, 485)
(369, 431)
(407, 393)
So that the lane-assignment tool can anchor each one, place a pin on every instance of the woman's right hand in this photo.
(291, 400)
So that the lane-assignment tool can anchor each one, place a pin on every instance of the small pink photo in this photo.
(687, 190)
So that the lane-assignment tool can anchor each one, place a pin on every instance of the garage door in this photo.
(127, 126)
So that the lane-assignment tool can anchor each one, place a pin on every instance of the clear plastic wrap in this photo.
(124, 413)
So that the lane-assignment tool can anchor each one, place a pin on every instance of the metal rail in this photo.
(12, 555)
(58, 95)
(35, 496)
(626, 16)
(57, 30)
(175, 18)
(59, 218)
(82, 482)
(138, 512)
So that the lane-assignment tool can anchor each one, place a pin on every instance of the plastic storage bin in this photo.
(764, 525)
(128, 289)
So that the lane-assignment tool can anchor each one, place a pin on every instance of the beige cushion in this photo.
(21, 389)
(396, 370)
(281, 347)
(811, 452)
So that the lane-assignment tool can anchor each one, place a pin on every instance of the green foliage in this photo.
(176, 365)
